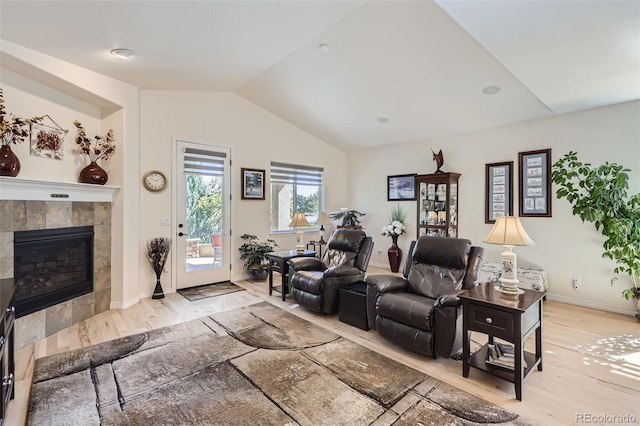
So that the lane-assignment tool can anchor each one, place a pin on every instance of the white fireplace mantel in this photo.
(37, 190)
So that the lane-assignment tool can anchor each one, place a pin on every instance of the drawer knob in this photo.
(488, 320)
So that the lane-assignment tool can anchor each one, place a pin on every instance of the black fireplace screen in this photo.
(52, 266)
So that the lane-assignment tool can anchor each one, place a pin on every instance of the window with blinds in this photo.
(199, 162)
(295, 188)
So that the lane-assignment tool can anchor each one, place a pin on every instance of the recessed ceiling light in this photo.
(122, 53)
(383, 120)
(324, 48)
(491, 90)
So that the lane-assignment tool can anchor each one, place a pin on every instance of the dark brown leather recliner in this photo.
(421, 311)
(315, 284)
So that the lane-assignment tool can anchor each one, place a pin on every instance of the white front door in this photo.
(202, 214)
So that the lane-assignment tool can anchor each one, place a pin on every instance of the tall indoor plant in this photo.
(253, 254)
(600, 195)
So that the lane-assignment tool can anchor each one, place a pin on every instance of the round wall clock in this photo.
(154, 181)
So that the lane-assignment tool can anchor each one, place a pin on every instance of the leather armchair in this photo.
(420, 310)
(315, 284)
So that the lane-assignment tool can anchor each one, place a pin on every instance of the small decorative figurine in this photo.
(439, 159)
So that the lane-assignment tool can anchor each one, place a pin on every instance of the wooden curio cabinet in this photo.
(438, 204)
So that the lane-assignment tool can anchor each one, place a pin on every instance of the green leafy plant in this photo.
(253, 252)
(600, 195)
(348, 217)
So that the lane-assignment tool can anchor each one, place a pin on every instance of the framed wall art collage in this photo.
(499, 190)
(534, 178)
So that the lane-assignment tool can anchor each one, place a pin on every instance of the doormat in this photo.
(209, 290)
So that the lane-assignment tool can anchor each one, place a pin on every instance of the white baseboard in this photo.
(591, 304)
(126, 304)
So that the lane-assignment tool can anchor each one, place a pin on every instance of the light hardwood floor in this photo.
(591, 358)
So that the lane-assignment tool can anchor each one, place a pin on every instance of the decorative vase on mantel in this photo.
(395, 254)
(9, 162)
(93, 174)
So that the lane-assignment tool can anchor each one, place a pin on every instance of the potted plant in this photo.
(599, 195)
(13, 130)
(103, 149)
(253, 254)
(394, 229)
(350, 218)
(158, 253)
(216, 236)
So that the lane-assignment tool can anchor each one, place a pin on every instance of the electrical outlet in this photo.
(577, 281)
(379, 251)
(165, 221)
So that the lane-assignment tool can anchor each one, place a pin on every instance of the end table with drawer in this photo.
(278, 263)
(512, 318)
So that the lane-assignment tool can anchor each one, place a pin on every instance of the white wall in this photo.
(256, 138)
(564, 245)
(26, 98)
(67, 92)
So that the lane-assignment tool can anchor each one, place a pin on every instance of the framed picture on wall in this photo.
(401, 187)
(498, 191)
(535, 183)
(252, 184)
(47, 139)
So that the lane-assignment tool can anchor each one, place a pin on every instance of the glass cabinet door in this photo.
(438, 204)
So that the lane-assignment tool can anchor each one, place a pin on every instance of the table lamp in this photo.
(509, 232)
(298, 221)
(323, 220)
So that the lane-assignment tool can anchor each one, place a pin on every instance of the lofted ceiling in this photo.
(388, 71)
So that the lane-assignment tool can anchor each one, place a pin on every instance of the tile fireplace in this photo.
(17, 216)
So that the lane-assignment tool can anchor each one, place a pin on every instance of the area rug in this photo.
(257, 365)
(209, 290)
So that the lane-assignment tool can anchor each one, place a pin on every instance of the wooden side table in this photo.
(317, 246)
(278, 263)
(512, 318)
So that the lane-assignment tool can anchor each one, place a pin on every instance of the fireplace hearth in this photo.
(52, 266)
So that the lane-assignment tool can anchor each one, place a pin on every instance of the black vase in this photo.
(158, 293)
(395, 254)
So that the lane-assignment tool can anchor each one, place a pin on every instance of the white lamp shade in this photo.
(323, 219)
(299, 219)
(508, 231)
